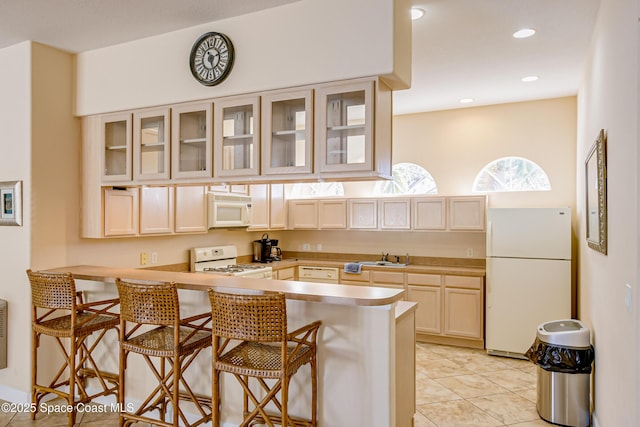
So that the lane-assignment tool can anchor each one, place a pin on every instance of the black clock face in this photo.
(211, 58)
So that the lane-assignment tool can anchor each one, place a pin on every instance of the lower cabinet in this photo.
(359, 279)
(463, 306)
(288, 273)
(450, 308)
(388, 279)
(428, 313)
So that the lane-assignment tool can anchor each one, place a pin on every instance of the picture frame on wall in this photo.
(11, 203)
(596, 194)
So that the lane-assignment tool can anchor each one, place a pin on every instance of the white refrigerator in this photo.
(528, 275)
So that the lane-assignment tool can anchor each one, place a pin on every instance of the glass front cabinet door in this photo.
(151, 145)
(116, 144)
(345, 127)
(287, 127)
(236, 137)
(191, 141)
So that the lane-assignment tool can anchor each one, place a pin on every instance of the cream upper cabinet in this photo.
(467, 213)
(151, 147)
(394, 214)
(156, 210)
(429, 213)
(277, 207)
(345, 127)
(268, 207)
(363, 213)
(116, 147)
(191, 209)
(303, 214)
(259, 206)
(191, 145)
(121, 212)
(353, 129)
(236, 137)
(332, 214)
(287, 132)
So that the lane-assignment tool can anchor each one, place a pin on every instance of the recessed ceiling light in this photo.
(529, 79)
(524, 33)
(416, 13)
(466, 100)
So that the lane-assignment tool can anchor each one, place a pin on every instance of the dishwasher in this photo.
(318, 274)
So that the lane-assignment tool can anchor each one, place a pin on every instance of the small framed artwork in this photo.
(11, 203)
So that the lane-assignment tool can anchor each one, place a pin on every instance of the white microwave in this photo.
(228, 210)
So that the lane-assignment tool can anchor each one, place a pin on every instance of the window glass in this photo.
(408, 178)
(511, 174)
(316, 189)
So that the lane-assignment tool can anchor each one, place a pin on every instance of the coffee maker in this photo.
(262, 249)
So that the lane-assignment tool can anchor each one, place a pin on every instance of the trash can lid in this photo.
(566, 333)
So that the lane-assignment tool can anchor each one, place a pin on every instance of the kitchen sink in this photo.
(381, 263)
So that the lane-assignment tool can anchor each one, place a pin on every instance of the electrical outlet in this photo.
(154, 257)
(143, 258)
(306, 247)
(469, 252)
(319, 247)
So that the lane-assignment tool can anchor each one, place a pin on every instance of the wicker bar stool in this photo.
(266, 351)
(52, 296)
(175, 342)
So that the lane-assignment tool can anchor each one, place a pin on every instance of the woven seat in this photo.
(267, 351)
(175, 342)
(53, 295)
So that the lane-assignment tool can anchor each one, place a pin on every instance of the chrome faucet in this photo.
(406, 259)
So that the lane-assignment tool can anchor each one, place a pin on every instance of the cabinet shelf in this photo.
(288, 132)
(116, 147)
(193, 140)
(346, 127)
(153, 145)
(245, 136)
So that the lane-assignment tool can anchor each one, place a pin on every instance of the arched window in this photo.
(316, 189)
(408, 178)
(511, 174)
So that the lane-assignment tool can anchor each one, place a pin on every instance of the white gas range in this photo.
(223, 260)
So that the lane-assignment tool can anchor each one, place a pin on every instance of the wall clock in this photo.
(211, 58)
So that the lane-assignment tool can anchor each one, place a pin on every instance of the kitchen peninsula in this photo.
(366, 346)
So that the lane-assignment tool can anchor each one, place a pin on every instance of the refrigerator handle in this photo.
(489, 239)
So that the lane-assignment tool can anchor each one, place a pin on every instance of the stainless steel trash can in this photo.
(563, 355)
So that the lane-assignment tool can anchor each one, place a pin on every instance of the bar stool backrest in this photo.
(52, 290)
(149, 303)
(256, 318)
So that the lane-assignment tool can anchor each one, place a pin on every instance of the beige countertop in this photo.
(310, 292)
(411, 268)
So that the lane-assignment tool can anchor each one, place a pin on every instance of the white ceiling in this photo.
(461, 48)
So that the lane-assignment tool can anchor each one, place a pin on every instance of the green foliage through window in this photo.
(408, 178)
(511, 174)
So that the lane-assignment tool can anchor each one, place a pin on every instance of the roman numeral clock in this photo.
(211, 58)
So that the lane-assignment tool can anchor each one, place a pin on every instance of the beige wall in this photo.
(608, 99)
(15, 151)
(299, 43)
(454, 145)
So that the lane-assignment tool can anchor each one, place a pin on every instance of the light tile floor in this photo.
(455, 387)
(458, 387)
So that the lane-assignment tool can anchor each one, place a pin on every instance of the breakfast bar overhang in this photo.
(366, 345)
